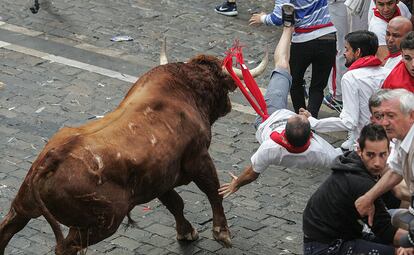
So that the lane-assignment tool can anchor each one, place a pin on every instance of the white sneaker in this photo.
(350, 143)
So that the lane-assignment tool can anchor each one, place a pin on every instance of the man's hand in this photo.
(229, 188)
(256, 18)
(365, 207)
(405, 251)
(305, 112)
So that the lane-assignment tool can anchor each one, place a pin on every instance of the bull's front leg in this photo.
(205, 177)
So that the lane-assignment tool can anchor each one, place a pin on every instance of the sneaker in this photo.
(288, 14)
(350, 143)
(227, 8)
(332, 103)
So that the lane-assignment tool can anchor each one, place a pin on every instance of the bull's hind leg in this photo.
(207, 180)
(175, 205)
(12, 223)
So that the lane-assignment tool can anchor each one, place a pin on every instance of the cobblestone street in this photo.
(60, 68)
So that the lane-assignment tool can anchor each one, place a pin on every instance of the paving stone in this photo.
(126, 242)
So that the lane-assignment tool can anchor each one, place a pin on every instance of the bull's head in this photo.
(258, 70)
(219, 82)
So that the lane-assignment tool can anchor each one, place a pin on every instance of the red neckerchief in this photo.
(396, 13)
(312, 28)
(392, 55)
(258, 104)
(399, 78)
(280, 138)
(365, 61)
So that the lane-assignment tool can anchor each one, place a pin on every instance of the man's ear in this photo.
(412, 117)
(358, 52)
(359, 152)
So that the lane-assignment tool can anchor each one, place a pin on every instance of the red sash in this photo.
(396, 13)
(312, 28)
(399, 78)
(365, 61)
(280, 138)
(258, 104)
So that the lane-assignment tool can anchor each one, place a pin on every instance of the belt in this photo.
(330, 36)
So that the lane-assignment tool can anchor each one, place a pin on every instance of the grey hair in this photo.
(375, 99)
(405, 97)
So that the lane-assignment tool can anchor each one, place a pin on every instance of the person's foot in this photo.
(227, 8)
(332, 103)
(349, 144)
(288, 14)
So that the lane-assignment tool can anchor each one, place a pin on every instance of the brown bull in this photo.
(90, 177)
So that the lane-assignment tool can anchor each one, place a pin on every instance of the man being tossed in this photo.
(285, 137)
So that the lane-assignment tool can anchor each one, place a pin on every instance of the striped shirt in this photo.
(312, 19)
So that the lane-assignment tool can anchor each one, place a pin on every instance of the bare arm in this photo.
(401, 191)
(365, 204)
(246, 177)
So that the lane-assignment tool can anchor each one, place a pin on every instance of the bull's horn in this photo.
(163, 54)
(258, 70)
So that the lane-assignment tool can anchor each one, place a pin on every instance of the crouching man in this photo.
(331, 223)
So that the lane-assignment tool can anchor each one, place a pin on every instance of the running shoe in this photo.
(332, 103)
(227, 8)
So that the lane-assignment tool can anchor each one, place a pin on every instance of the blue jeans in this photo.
(341, 247)
(276, 96)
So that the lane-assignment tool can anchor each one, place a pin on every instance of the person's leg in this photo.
(280, 80)
(300, 59)
(324, 52)
(314, 248)
(338, 12)
(360, 246)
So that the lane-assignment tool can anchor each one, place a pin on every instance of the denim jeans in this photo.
(341, 247)
(276, 96)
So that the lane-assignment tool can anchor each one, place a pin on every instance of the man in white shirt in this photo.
(382, 13)
(397, 107)
(285, 137)
(397, 28)
(346, 19)
(364, 77)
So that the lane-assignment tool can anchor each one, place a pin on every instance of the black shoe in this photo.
(227, 8)
(288, 14)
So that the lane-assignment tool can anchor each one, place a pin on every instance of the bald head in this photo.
(397, 28)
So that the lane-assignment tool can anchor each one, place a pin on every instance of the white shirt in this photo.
(379, 26)
(320, 153)
(401, 150)
(357, 87)
(403, 8)
(392, 62)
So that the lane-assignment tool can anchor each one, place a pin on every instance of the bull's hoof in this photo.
(222, 235)
(189, 236)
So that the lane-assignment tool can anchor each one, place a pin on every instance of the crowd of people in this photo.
(365, 49)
